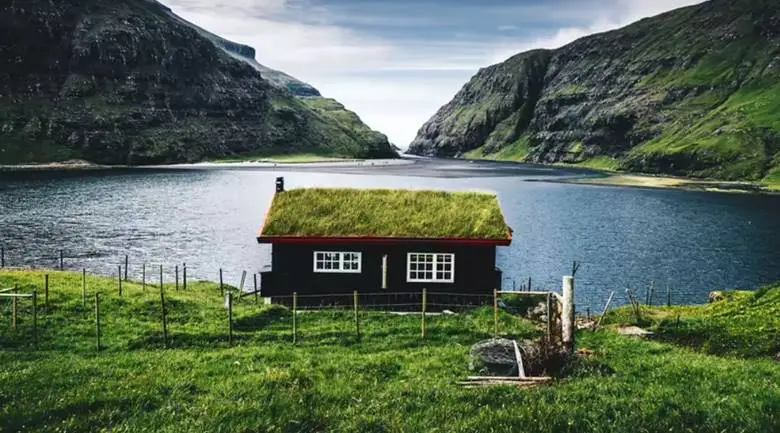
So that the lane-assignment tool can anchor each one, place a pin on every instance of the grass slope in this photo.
(385, 213)
(391, 381)
(744, 324)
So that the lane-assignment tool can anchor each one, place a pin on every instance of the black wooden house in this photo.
(335, 241)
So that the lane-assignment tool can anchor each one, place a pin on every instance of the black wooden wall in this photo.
(293, 270)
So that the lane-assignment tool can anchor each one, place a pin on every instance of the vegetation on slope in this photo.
(691, 92)
(389, 381)
(127, 82)
(344, 212)
(744, 324)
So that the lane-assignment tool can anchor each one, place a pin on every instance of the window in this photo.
(430, 268)
(336, 261)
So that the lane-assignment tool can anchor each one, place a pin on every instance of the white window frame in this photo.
(339, 261)
(438, 258)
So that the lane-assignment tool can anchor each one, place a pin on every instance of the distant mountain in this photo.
(128, 82)
(247, 54)
(695, 91)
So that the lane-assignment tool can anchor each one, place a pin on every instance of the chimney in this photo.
(279, 184)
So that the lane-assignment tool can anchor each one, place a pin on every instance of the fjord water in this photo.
(208, 218)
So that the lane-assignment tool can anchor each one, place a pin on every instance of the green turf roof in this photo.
(385, 213)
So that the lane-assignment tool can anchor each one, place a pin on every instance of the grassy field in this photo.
(390, 381)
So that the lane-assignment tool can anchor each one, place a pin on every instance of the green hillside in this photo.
(691, 92)
(128, 82)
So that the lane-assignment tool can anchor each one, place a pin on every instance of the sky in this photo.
(396, 62)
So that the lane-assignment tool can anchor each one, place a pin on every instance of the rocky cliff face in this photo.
(692, 91)
(122, 82)
(247, 54)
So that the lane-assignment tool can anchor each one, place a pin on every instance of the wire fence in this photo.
(67, 311)
(101, 302)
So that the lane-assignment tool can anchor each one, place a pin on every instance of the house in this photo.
(334, 241)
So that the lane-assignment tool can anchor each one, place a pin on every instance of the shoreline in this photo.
(588, 176)
(260, 163)
(637, 180)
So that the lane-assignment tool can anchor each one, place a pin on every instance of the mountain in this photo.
(247, 54)
(128, 82)
(695, 91)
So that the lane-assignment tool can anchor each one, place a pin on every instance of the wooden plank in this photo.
(15, 295)
(519, 359)
(512, 378)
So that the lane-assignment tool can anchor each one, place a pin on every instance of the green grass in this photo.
(517, 151)
(733, 141)
(745, 324)
(601, 163)
(385, 213)
(391, 381)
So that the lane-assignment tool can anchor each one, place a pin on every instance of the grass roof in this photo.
(385, 213)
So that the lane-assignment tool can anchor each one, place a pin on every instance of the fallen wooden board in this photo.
(475, 384)
(512, 378)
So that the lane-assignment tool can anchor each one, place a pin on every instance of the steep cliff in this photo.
(695, 91)
(123, 82)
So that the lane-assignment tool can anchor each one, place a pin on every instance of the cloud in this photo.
(396, 62)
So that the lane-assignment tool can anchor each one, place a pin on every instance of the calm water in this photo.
(208, 218)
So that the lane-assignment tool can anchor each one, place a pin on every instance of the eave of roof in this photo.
(324, 240)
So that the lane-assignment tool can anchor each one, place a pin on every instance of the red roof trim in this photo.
(301, 240)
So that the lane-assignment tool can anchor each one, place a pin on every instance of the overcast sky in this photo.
(395, 62)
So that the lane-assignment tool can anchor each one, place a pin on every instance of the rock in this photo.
(634, 331)
(715, 296)
(128, 82)
(606, 95)
(496, 356)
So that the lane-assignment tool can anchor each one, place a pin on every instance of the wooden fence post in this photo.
(97, 319)
(119, 278)
(161, 277)
(256, 297)
(164, 318)
(668, 295)
(221, 286)
(650, 293)
(424, 308)
(495, 313)
(35, 317)
(177, 277)
(548, 306)
(355, 302)
(14, 308)
(46, 291)
(127, 265)
(230, 318)
(184, 277)
(83, 288)
(567, 315)
(143, 276)
(243, 280)
(62, 260)
(294, 314)
(2, 256)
